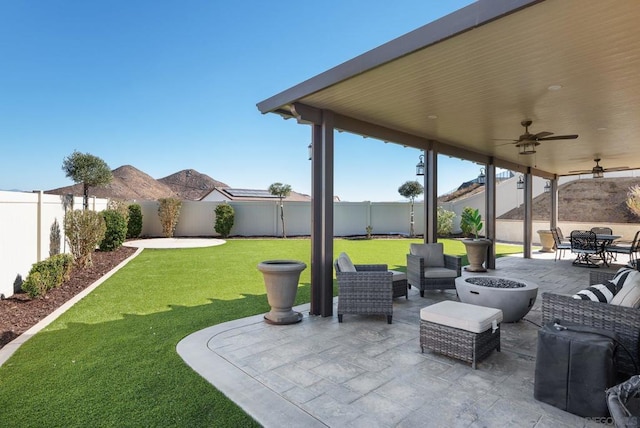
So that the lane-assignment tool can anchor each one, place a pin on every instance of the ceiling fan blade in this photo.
(581, 171)
(559, 137)
(619, 168)
(504, 139)
(542, 134)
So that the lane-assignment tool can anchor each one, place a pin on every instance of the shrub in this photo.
(134, 225)
(224, 219)
(464, 226)
(48, 274)
(445, 221)
(84, 229)
(115, 232)
(169, 212)
(54, 238)
(633, 200)
(121, 206)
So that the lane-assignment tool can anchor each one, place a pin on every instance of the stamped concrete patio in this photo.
(367, 373)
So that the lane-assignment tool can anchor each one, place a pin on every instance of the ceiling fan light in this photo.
(598, 173)
(527, 147)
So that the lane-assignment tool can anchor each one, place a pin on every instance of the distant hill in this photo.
(587, 200)
(189, 184)
(129, 183)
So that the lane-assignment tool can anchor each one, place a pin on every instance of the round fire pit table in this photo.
(514, 297)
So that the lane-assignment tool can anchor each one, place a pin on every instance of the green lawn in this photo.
(111, 359)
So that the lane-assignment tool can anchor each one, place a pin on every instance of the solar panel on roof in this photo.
(250, 193)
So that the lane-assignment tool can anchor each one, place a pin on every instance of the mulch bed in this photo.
(19, 312)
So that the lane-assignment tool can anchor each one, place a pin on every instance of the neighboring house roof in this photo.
(234, 194)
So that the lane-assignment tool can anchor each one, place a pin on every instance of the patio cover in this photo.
(456, 85)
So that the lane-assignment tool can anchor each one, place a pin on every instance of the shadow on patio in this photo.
(365, 372)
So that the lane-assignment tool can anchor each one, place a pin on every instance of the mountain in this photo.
(129, 183)
(189, 184)
(586, 200)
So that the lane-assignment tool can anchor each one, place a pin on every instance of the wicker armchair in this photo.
(622, 320)
(367, 290)
(426, 275)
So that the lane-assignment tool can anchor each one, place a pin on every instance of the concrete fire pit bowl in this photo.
(514, 297)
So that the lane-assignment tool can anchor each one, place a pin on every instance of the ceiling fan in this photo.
(598, 171)
(527, 142)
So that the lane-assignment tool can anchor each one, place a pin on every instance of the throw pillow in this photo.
(345, 264)
(433, 254)
(598, 293)
(629, 295)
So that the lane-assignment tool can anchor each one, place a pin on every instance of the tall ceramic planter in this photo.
(281, 279)
(546, 240)
(476, 254)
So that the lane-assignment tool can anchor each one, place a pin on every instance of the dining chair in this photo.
(560, 246)
(629, 250)
(585, 245)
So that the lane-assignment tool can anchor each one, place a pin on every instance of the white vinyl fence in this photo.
(26, 220)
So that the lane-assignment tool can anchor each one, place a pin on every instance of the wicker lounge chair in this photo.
(364, 289)
(429, 269)
(622, 320)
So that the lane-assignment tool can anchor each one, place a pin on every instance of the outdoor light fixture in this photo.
(482, 178)
(527, 147)
(520, 183)
(310, 148)
(547, 187)
(420, 166)
(598, 171)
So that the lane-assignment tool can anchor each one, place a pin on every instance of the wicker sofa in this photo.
(622, 320)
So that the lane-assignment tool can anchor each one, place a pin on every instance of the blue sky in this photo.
(170, 85)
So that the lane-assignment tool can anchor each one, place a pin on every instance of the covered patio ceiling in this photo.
(469, 78)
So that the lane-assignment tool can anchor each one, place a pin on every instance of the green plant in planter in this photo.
(471, 220)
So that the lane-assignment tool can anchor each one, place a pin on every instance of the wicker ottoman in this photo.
(399, 284)
(460, 330)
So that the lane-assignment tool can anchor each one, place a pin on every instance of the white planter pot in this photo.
(281, 279)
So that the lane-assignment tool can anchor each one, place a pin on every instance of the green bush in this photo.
(169, 213)
(48, 274)
(445, 221)
(134, 225)
(116, 230)
(84, 230)
(120, 206)
(224, 219)
(464, 225)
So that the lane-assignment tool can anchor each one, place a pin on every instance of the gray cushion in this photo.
(440, 272)
(345, 264)
(398, 276)
(432, 254)
(476, 319)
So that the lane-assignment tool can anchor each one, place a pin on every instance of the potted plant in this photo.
(476, 247)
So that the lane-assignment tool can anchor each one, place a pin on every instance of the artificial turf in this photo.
(111, 359)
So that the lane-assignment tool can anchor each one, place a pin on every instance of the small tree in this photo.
(134, 225)
(84, 231)
(445, 221)
(633, 200)
(224, 219)
(410, 190)
(169, 212)
(281, 191)
(54, 238)
(87, 169)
